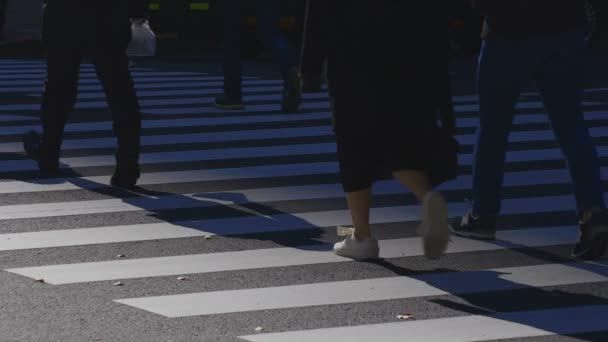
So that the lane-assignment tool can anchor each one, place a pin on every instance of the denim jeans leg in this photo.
(269, 19)
(561, 83)
(503, 67)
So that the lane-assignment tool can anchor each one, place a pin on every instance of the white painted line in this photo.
(42, 69)
(174, 139)
(140, 79)
(200, 200)
(94, 236)
(156, 85)
(202, 91)
(367, 290)
(11, 118)
(282, 257)
(299, 132)
(211, 121)
(259, 152)
(520, 105)
(174, 177)
(507, 326)
(87, 74)
(188, 122)
(166, 102)
(157, 102)
(250, 108)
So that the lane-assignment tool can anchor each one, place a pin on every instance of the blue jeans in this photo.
(268, 19)
(556, 64)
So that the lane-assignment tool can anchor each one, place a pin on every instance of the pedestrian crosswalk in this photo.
(246, 204)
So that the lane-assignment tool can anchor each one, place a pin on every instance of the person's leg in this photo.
(269, 17)
(503, 68)
(434, 214)
(358, 204)
(356, 172)
(561, 83)
(231, 45)
(112, 67)
(58, 99)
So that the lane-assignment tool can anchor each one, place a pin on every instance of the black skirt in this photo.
(382, 131)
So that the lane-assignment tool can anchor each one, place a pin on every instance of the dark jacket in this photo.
(91, 20)
(520, 19)
(395, 46)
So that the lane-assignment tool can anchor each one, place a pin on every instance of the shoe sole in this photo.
(356, 258)
(436, 234)
(475, 236)
(598, 248)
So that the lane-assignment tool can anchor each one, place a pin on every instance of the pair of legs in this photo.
(556, 64)
(359, 201)
(268, 20)
(362, 157)
(61, 90)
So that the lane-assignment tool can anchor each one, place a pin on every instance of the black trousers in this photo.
(61, 89)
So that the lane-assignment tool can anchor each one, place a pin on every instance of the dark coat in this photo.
(91, 20)
(520, 19)
(394, 46)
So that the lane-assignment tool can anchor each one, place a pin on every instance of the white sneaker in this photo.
(357, 249)
(434, 227)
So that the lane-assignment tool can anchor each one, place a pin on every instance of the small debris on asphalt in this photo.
(39, 280)
(118, 283)
(405, 316)
(182, 278)
(258, 329)
(121, 256)
(208, 237)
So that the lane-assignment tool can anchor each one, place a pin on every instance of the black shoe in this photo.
(229, 102)
(292, 97)
(593, 236)
(48, 163)
(480, 228)
(125, 175)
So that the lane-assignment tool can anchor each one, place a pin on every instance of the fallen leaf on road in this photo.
(405, 316)
(118, 283)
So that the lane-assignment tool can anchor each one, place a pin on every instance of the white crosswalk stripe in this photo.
(225, 195)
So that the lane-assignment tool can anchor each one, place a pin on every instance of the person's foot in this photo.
(292, 97)
(479, 228)
(434, 227)
(358, 249)
(229, 102)
(125, 175)
(48, 163)
(592, 242)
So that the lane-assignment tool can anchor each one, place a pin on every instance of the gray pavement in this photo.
(250, 230)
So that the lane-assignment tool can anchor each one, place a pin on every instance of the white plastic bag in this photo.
(143, 42)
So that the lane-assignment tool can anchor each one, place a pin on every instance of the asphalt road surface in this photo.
(228, 237)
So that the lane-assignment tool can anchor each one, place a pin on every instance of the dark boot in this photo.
(46, 157)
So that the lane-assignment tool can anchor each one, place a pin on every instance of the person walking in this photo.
(542, 40)
(102, 30)
(268, 21)
(388, 81)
